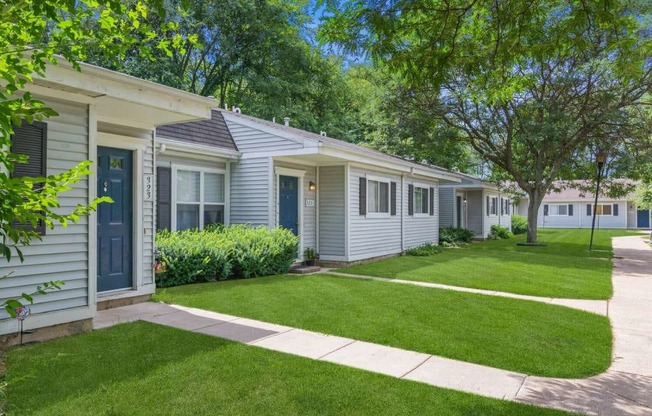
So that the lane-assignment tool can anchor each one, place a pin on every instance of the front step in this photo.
(305, 269)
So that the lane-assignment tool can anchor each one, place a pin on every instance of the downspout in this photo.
(154, 152)
(402, 213)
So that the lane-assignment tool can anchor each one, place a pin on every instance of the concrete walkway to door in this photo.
(625, 389)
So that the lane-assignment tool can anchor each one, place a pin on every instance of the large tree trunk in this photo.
(536, 197)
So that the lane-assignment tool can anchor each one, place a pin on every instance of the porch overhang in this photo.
(121, 99)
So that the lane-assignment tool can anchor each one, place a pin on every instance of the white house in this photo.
(347, 202)
(573, 208)
(474, 204)
(107, 258)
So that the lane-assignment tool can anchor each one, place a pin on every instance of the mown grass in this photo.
(146, 369)
(529, 337)
(562, 269)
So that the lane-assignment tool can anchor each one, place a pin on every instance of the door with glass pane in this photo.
(199, 198)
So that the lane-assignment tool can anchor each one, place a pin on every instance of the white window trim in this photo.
(173, 196)
(299, 174)
(414, 199)
(388, 181)
(492, 198)
(603, 215)
(558, 215)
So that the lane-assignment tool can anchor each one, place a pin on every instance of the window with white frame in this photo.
(493, 205)
(558, 210)
(604, 210)
(421, 201)
(377, 196)
(200, 198)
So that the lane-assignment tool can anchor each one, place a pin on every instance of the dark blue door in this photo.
(643, 218)
(288, 216)
(114, 221)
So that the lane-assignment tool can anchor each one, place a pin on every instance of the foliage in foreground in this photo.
(423, 250)
(453, 236)
(220, 253)
(519, 224)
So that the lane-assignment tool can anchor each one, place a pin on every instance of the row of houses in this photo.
(170, 160)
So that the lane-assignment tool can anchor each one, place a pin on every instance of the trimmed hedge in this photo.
(519, 224)
(221, 253)
(454, 236)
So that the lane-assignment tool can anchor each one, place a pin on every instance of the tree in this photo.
(31, 33)
(528, 85)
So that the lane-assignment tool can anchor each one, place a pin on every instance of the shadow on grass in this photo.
(81, 364)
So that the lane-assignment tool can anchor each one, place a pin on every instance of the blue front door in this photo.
(643, 218)
(114, 221)
(288, 195)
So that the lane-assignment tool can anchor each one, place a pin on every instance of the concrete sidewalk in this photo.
(595, 306)
(625, 389)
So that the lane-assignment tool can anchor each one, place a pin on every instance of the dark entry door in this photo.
(114, 221)
(458, 207)
(643, 218)
(289, 203)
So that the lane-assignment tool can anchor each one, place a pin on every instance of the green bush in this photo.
(190, 257)
(519, 224)
(425, 249)
(220, 253)
(453, 236)
(499, 233)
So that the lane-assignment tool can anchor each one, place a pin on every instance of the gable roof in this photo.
(212, 132)
(319, 140)
(582, 190)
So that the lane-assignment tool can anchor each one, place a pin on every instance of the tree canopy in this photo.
(531, 86)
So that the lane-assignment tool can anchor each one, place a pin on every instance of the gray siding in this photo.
(250, 191)
(63, 253)
(489, 220)
(475, 211)
(249, 139)
(372, 236)
(309, 231)
(420, 229)
(332, 212)
(446, 206)
(580, 218)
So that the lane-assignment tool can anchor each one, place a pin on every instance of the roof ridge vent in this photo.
(237, 110)
(322, 133)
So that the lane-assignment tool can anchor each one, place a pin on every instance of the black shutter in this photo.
(588, 210)
(31, 140)
(615, 210)
(545, 210)
(163, 198)
(392, 197)
(432, 201)
(362, 196)
(570, 210)
(410, 199)
(488, 208)
(502, 207)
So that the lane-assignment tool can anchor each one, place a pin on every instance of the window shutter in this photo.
(410, 199)
(488, 208)
(570, 210)
(163, 198)
(502, 207)
(392, 197)
(588, 210)
(31, 140)
(545, 210)
(362, 196)
(432, 201)
(615, 211)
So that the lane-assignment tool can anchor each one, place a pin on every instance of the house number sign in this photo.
(148, 187)
(310, 202)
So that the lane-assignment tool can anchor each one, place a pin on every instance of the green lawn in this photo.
(563, 269)
(146, 369)
(529, 337)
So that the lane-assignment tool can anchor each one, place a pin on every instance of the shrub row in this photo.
(453, 236)
(499, 233)
(221, 253)
(519, 224)
(425, 249)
